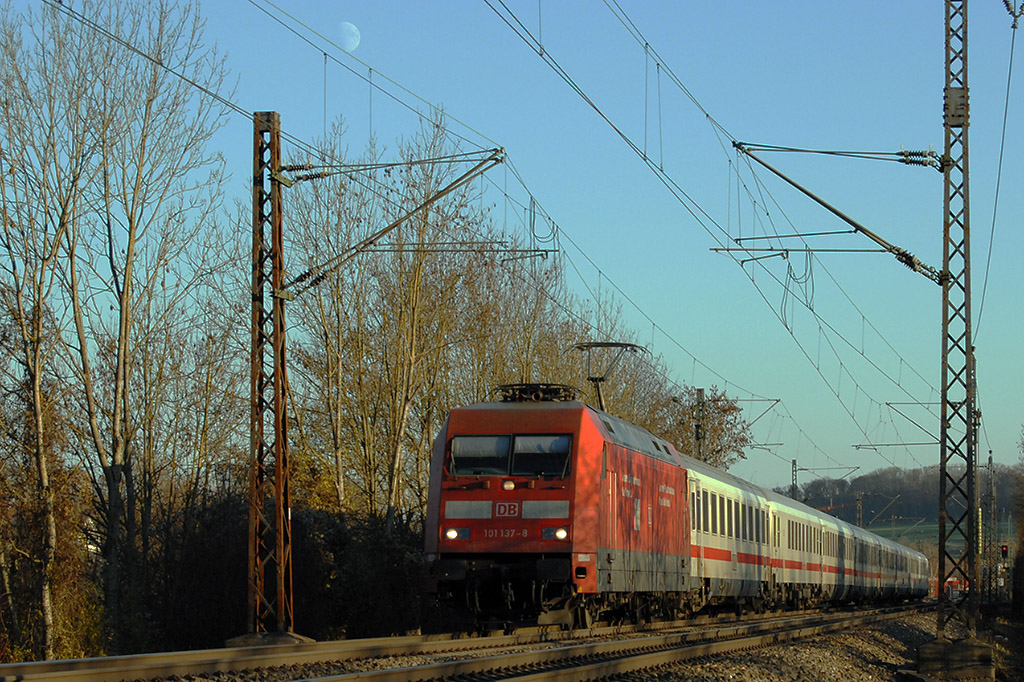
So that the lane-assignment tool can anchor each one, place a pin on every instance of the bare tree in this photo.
(338, 403)
(45, 165)
(130, 185)
(376, 333)
(400, 335)
(1019, 511)
(404, 282)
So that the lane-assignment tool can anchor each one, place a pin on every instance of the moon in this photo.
(349, 36)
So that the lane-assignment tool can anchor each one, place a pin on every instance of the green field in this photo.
(914, 535)
(908, 533)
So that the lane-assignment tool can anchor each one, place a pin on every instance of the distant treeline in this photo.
(903, 496)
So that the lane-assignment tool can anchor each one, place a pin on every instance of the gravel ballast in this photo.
(877, 652)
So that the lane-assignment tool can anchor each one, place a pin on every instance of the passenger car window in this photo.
(705, 527)
(480, 455)
(721, 512)
(734, 531)
(541, 455)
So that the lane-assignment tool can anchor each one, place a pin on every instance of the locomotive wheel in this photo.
(641, 610)
(583, 617)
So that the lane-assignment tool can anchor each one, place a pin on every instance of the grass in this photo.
(914, 535)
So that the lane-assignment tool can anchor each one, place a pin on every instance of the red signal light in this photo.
(1005, 549)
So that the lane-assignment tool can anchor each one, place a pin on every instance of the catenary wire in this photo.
(368, 80)
(637, 35)
(517, 26)
(515, 173)
(999, 178)
(621, 134)
(236, 108)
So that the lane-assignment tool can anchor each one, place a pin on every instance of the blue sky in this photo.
(865, 76)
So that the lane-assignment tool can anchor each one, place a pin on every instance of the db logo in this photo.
(506, 509)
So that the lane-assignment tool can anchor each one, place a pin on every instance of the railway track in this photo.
(525, 655)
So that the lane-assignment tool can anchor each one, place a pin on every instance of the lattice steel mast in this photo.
(958, 492)
(270, 536)
(959, 502)
(988, 540)
(270, 603)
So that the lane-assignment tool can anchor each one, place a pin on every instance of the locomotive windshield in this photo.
(501, 455)
(540, 456)
(480, 455)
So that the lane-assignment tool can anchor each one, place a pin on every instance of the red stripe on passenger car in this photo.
(719, 554)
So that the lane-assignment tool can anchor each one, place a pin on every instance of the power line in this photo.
(999, 172)
(81, 18)
(587, 323)
(515, 171)
(367, 79)
(302, 144)
(512, 21)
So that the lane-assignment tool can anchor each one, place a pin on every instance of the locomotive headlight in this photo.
(457, 533)
(554, 534)
(508, 485)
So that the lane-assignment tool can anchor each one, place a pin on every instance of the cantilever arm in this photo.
(902, 255)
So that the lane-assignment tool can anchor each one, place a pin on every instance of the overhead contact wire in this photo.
(999, 178)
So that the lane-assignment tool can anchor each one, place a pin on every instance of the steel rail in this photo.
(144, 666)
(595, 660)
(233, 659)
(108, 668)
(667, 657)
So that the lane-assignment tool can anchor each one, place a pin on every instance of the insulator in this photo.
(310, 176)
(907, 259)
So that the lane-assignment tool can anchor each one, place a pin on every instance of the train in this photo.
(544, 509)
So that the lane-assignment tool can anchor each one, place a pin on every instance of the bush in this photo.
(351, 579)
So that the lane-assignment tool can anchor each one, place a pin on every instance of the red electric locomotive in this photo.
(540, 507)
(543, 508)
